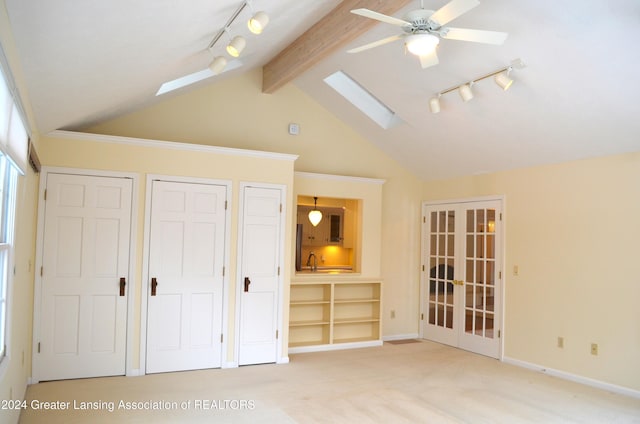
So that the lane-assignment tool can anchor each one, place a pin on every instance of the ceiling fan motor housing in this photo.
(420, 22)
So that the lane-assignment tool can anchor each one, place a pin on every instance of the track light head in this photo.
(258, 22)
(465, 92)
(235, 47)
(503, 80)
(218, 64)
(434, 104)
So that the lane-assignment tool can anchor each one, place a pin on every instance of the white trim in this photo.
(135, 372)
(336, 346)
(226, 365)
(145, 259)
(37, 290)
(173, 145)
(500, 197)
(573, 377)
(239, 257)
(400, 337)
(343, 178)
(283, 360)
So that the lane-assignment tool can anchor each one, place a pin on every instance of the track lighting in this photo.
(315, 216)
(434, 104)
(258, 22)
(235, 47)
(256, 25)
(501, 78)
(465, 92)
(218, 64)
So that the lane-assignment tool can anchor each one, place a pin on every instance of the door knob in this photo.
(154, 284)
(246, 284)
(123, 283)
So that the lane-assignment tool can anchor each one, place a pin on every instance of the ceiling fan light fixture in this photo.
(434, 104)
(235, 47)
(465, 92)
(503, 80)
(258, 22)
(218, 64)
(421, 44)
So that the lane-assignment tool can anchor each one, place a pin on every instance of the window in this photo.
(14, 147)
(8, 180)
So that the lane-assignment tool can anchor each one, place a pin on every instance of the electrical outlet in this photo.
(393, 313)
(594, 348)
(561, 342)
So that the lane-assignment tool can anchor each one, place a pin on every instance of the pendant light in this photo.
(315, 216)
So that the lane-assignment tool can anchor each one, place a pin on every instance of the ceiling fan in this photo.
(424, 28)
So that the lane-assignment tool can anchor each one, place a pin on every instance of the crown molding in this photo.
(173, 145)
(344, 178)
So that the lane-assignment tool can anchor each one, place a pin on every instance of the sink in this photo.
(338, 269)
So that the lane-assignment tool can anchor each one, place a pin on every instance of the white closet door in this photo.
(261, 253)
(185, 287)
(85, 265)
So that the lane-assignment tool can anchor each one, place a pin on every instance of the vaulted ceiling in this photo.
(88, 61)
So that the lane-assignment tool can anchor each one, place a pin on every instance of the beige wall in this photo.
(573, 231)
(236, 113)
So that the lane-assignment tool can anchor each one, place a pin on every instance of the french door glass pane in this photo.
(441, 263)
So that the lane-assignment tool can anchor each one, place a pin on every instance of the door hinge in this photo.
(421, 317)
(38, 347)
(498, 333)
(499, 275)
(280, 207)
(422, 268)
(223, 270)
(500, 216)
(41, 271)
(45, 194)
(226, 203)
(277, 334)
(278, 270)
(221, 338)
(424, 219)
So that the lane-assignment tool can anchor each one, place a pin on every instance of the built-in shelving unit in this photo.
(334, 315)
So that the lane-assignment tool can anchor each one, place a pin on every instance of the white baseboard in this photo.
(135, 372)
(229, 365)
(400, 337)
(337, 346)
(575, 378)
(283, 360)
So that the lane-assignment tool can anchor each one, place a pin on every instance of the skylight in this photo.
(361, 98)
(193, 78)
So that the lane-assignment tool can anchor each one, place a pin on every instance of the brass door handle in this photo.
(154, 284)
(123, 283)
(246, 284)
(458, 282)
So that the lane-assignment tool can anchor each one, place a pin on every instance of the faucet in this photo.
(314, 267)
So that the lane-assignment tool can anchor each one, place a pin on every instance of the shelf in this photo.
(330, 313)
(306, 323)
(355, 320)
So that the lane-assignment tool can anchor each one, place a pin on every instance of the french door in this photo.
(461, 285)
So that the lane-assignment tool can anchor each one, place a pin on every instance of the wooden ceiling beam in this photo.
(338, 28)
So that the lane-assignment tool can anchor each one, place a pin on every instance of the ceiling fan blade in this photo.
(428, 60)
(375, 44)
(475, 35)
(452, 10)
(380, 17)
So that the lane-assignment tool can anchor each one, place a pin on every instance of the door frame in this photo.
(146, 250)
(37, 289)
(280, 359)
(502, 254)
